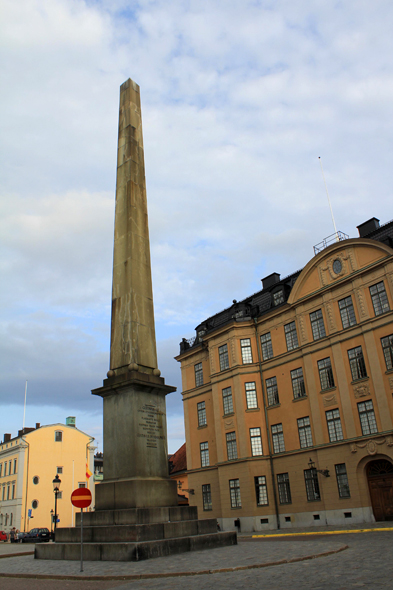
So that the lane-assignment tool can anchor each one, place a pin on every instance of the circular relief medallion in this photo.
(337, 266)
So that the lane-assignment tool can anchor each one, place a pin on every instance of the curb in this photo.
(176, 574)
(346, 532)
(16, 554)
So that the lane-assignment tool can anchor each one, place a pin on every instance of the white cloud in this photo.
(239, 99)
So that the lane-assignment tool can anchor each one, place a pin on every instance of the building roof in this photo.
(178, 461)
(28, 430)
(275, 291)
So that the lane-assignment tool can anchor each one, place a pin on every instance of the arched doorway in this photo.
(380, 483)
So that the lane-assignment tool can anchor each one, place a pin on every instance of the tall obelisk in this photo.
(133, 337)
(135, 439)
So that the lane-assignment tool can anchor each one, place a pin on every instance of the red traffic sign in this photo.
(81, 498)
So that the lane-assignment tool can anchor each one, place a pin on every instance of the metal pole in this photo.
(55, 523)
(24, 409)
(81, 539)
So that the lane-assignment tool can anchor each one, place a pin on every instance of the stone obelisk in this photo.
(135, 439)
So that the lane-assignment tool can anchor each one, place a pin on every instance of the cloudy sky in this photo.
(239, 98)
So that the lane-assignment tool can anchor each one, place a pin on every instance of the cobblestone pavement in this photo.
(366, 563)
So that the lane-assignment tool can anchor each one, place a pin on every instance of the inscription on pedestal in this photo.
(150, 422)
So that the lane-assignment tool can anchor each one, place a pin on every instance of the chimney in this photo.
(70, 421)
(368, 226)
(37, 425)
(7, 437)
(270, 280)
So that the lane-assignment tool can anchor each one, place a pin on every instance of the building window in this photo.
(5, 468)
(347, 312)
(342, 481)
(312, 485)
(60, 495)
(245, 346)
(379, 298)
(261, 490)
(9, 467)
(356, 363)
(204, 454)
(278, 438)
(227, 400)
(231, 446)
(36, 480)
(223, 356)
(251, 395)
(8, 491)
(256, 442)
(278, 298)
(298, 387)
(207, 497)
(34, 504)
(15, 465)
(291, 336)
(3, 493)
(334, 425)
(1, 469)
(234, 490)
(317, 325)
(387, 347)
(81, 484)
(201, 409)
(305, 436)
(326, 373)
(267, 348)
(367, 417)
(58, 436)
(284, 490)
(198, 374)
(272, 391)
(59, 470)
(13, 491)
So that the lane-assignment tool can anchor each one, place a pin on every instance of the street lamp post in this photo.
(51, 521)
(56, 489)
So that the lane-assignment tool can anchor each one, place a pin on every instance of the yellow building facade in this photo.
(288, 395)
(28, 465)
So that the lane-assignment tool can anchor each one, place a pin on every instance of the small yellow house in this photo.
(28, 464)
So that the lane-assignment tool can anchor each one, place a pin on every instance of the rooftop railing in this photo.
(336, 237)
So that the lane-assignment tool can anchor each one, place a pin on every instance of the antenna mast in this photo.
(330, 205)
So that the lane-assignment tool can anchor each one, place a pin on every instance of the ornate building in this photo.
(288, 394)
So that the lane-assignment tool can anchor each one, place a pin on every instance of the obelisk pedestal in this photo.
(135, 443)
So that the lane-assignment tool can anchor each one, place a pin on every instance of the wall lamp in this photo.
(324, 472)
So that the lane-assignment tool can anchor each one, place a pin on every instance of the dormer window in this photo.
(278, 298)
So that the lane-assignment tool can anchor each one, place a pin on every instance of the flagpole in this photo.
(24, 408)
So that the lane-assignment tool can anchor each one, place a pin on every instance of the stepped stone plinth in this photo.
(136, 534)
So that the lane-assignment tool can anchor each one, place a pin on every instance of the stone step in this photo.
(134, 551)
(138, 515)
(136, 532)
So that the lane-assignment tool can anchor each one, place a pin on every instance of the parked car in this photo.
(3, 536)
(36, 536)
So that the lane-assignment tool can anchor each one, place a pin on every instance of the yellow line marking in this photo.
(325, 533)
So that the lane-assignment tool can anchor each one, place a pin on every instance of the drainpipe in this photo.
(269, 442)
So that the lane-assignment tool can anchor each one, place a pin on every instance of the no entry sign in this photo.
(81, 497)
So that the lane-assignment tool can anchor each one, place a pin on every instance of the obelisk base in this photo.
(136, 493)
(135, 443)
